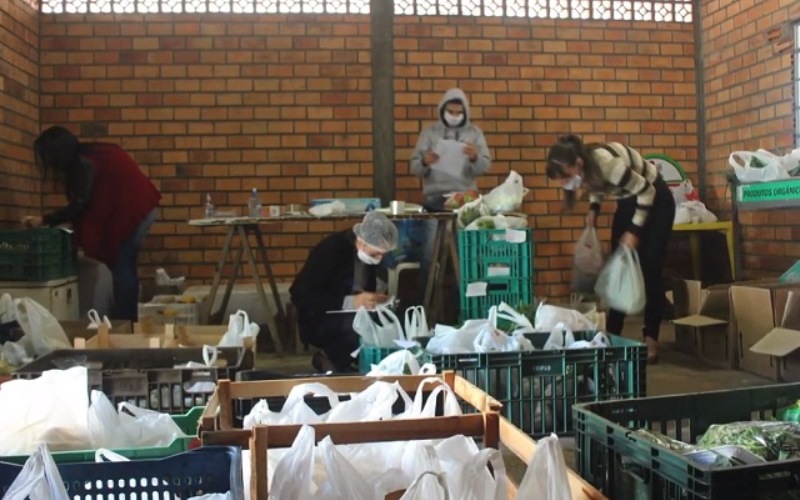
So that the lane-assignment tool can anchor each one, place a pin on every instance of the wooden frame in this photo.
(216, 425)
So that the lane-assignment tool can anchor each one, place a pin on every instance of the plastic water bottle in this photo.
(209, 207)
(254, 204)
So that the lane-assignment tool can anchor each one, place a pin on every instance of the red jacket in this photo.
(121, 197)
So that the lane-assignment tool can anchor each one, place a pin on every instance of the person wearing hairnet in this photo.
(340, 274)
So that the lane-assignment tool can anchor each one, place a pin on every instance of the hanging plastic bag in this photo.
(428, 410)
(491, 339)
(561, 337)
(427, 486)
(547, 475)
(373, 403)
(294, 473)
(105, 430)
(473, 480)
(148, 428)
(38, 480)
(588, 261)
(295, 410)
(507, 197)
(621, 284)
(416, 323)
(381, 331)
(43, 332)
(239, 329)
(342, 480)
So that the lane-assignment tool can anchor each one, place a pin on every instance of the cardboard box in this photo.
(757, 310)
(702, 324)
(781, 344)
(79, 329)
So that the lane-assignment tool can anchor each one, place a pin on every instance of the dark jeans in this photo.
(652, 254)
(125, 273)
(335, 336)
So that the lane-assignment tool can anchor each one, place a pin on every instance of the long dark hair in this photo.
(57, 152)
(566, 152)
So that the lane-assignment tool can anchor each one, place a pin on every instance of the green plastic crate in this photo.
(538, 388)
(41, 254)
(187, 423)
(371, 355)
(483, 250)
(512, 291)
(623, 465)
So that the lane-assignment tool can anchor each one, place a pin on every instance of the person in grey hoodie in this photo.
(453, 123)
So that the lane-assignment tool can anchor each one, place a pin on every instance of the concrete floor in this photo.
(676, 373)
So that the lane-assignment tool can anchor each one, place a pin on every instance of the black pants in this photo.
(652, 253)
(335, 336)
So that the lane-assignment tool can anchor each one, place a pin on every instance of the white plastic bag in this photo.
(148, 428)
(402, 362)
(43, 332)
(418, 410)
(427, 486)
(239, 328)
(7, 314)
(416, 323)
(293, 476)
(295, 410)
(471, 212)
(95, 322)
(621, 284)
(51, 409)
(507, 197)
(498, 221)
(773, 168)
(547, 475)
(449, 340)
(548, 317)
(588, 261)
(682, 216)
(342, 479)
(332, 208)
(490, 339)
(381, 332)
(38, 480)
(561, 337)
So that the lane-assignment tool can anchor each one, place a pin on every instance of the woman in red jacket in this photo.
(111, 205)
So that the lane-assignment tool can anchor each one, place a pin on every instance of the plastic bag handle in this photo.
(104, 455)
(210, 354)
(385, 313)
(300, 391)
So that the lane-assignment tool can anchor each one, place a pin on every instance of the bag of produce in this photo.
(768, 440)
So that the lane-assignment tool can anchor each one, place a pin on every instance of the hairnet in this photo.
(376, 230)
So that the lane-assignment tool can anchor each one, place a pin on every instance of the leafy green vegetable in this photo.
(768, 440)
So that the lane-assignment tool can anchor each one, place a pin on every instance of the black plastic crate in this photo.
(40, 254)
(212, 469)
(147, 377)
(538, 388)
(624, 465)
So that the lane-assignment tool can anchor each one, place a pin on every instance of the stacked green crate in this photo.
(497, 258)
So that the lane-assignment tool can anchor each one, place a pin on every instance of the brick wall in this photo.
(19, 109)
(749, 105)
(220, 104)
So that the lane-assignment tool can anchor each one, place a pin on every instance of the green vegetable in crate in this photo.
(665, 441)
(486, 223)
(768, 440)
(458, 200)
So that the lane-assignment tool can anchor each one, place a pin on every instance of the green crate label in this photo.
(771, 191)
(543, 368)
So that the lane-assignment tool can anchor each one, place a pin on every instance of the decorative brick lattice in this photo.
(622, 10)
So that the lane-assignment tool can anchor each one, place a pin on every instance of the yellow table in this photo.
(724, 227)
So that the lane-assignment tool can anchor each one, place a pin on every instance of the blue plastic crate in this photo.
(212, 469)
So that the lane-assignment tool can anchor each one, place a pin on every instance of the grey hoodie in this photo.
(435, 183)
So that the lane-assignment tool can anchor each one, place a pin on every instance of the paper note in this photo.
(451, 157)
(515, 236)
(494, 271)
(477, 289)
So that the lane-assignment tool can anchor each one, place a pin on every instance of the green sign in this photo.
(776, 194)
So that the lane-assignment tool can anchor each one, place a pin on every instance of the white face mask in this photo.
(573, 184)
(368, 259)
(453, 120)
